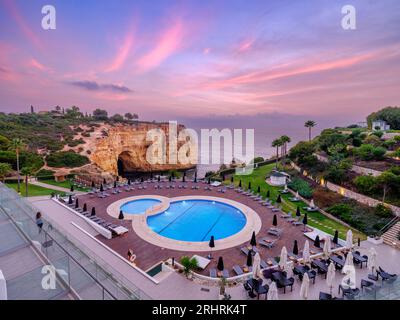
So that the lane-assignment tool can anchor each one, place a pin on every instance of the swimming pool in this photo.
(138, 206)
(197, 220)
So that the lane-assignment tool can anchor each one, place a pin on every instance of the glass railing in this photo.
(386, 290)
(76, 270)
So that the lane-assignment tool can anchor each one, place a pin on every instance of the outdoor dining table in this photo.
(301, 270)
(339, 262)
(321, 266)
(359, 259)
(257, 287)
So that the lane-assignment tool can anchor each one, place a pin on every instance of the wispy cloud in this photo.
(15, 13)
(94, 86)
(168, 43)
(122, 53)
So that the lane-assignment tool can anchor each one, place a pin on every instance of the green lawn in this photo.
(64, 184)
(33, 190)
(315, 219)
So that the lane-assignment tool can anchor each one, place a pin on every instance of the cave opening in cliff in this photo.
(123, 164)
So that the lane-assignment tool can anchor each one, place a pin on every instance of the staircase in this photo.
(391, 236)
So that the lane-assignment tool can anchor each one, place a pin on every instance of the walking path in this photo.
(53, 187)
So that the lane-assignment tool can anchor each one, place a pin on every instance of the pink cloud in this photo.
(122, 53)
(168, 43)
(33, 63)
(20, 20)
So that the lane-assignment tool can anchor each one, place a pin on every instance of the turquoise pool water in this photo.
(198, 220)
(138, 206)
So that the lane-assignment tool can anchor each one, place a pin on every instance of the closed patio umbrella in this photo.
(72, 188)
(211, 244)
(249, 185)
(349, 239)
(170, 178)
(240, 183)
(256, 266)
(115, 184)
(258, 189)
(317, 242)
(101, 188)
(336, 237)
(104, 181)
(209, 181)
(295, 248)
(141, 179)
(279, 199)
(231, 179)
(372, 261)
(330, 276)
(305, 287)
(159, 178)
(195, 176)
(305, 220)
(129, 182)
(253, 241)
(272, 292)
(283, 258)
(327, 247)
(220, 264)
(76, 203)
(298, 213)
(249, 260)
(268, 194)
(93, 185)
(306, 252)
(70, 199)
(275, 221)
(93, 211)
(121, 215)
(312, 205)
(84, 208)
(349, 260)
(183, 178)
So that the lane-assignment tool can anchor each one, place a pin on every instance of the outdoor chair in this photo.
(386, 276)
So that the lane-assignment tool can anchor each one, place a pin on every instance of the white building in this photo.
(380, 125)
(278, 178)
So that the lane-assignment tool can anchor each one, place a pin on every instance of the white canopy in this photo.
(283, 258)
(349, 239)
(330, 276)
(372, 261)
(305, 286)
(312, 205)
(327, 246)
(256, 266)
(306, 252)
(349, 260)
(272, 292)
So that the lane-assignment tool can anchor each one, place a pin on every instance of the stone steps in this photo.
(390, 237)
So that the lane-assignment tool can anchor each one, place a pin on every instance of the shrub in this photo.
(44, 173)
(342, 211)
(67, 159)
(383, 211)
(302, 187)
(368, 152)
(188, 264)
(257, 160)
(365, 184)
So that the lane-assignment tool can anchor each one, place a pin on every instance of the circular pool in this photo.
(196, 220)
(139, 206)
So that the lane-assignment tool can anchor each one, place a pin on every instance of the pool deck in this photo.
(148, 254)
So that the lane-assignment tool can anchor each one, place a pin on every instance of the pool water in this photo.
(197, 220)
(138, 206)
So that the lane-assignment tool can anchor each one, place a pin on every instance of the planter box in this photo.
(375, 240)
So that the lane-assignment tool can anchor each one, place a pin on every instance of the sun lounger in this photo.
(385, 275)
(275, 231)
(238, 270)
(267, 243)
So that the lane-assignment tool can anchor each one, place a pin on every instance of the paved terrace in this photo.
(148, 254)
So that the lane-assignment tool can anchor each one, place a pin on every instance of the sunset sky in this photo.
(202, 59)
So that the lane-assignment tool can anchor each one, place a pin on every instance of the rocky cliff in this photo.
(127, 144)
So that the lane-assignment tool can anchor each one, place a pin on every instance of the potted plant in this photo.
(188, 264)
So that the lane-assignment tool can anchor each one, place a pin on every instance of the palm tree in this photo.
(27, 172)
(276, 144)
(5, 168)
(310, 124)
(285, 140)
(17, 145)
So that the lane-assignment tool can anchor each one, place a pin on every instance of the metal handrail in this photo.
(388, 225)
